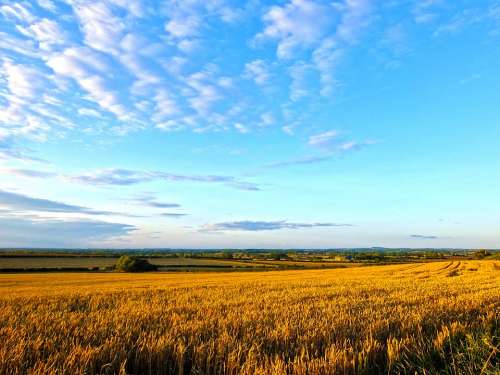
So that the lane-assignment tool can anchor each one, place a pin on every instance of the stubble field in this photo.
(437, 317)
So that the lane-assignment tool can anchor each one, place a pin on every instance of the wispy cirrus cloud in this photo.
(125, 177)
(257, 226)
(9, 150)
(426, 11)
(24, 172)
(133, 79)
(17, 11)
(331, 140)
(423, 237)
(174, 215)
(151, 201)
(330, 143)
(299, 161)
(89, 70)
(323, 139)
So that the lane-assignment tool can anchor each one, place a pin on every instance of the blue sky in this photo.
(300, 123)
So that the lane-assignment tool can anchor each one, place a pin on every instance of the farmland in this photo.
(403, 318)
(104, 261)
(73, 263)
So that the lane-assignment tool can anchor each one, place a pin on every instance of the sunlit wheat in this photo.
(413, 318)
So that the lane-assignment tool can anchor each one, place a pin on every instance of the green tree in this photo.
(132, 264)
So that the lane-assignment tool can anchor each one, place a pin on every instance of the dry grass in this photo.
(414, 318)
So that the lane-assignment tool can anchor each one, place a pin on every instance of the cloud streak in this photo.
(124, 177)
(173, 215)
(423, 237)
(127, 177)
(258, 226)
(30, 173)
(16, 202)
(300, 161)
(58, 233)
(331, 145)
(151, 201)
(330, 140)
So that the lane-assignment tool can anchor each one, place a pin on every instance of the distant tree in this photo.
(480, 254)
(278, 256)
(132, 264)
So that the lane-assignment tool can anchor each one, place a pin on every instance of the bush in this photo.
(132, 264)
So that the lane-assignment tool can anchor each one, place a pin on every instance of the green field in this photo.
(33, 263)
(101, 262)
(53, 260)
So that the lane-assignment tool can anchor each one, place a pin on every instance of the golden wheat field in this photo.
(415, 318)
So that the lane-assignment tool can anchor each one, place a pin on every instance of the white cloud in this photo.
(187, 19)
(288, 129)
(86, 68)
(146, 80)
(17, 45)
(16, 202)
(165, 106)
(183, 27)
(256, 226)
(424, 11)
(170, 125)
(188, 45)
(355, 17)
(460, 21)
(326, 58)
(230, 15)
(46, 32)
(205, 93)
(267, 119)
(323, 139)
(99, 92)
(326, 28)
(225, 82)
(126, 177)
(23, 113)
(17, 12)
(299, 74)
(332, 142)
(57, 232)
(89, 112)
(175, 64)
(258, 71)
(241, 128)
(47, 4)
(11, 150)
(298, 23)
(136, 8)
(22, 81)
(102, 29)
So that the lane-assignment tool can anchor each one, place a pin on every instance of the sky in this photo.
(249, 124)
